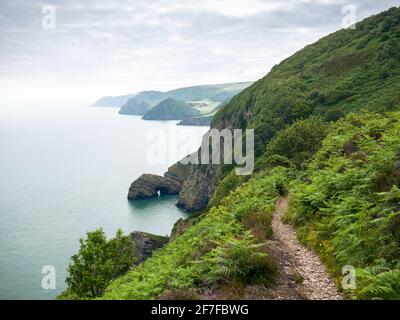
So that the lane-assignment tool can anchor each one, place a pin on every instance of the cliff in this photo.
(146, 243)
(196, 121)
(151, 185)
(347, 71)
(134, 107)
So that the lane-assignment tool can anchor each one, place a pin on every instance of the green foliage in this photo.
(343, 181)
(299, 142)
(170, 109)
(260, 224)
(345, 204)
(226, 185)
(98, 262)
(240, 258)
(193, 260)
(379, 283)
(344, 72)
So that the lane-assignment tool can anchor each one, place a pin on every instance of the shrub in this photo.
(98, 262)
(299, 142)
(347, 206)
(243, 259)
(260, 225)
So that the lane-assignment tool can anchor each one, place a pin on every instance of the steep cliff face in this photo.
(146, 243)
(134, 107)
(198, 188)
(196, 121)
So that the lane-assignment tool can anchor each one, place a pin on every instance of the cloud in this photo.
(122, 46)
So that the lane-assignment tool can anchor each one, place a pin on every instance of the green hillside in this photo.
(134, 107)
(150, 97)
(327, 129)
(170, 109)
(344, 72)
(346, 204)
(216, 93)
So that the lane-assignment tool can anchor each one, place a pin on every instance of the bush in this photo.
(299, 142)
(242, 259)
(346, 206)
(333, 114)
(98, 262)
(260, 225)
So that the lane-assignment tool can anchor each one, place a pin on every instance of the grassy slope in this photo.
(199, 257)
(346, 207)
(345, 202)
(346, 71)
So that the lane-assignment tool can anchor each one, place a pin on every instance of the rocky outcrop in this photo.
(198, 121)
(195, 185)
(179, 228)
(198, 188)
(151, 185)
(146, 243)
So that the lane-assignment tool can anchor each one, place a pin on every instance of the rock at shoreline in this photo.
(197, 121)
(151, 185)
(146, 243)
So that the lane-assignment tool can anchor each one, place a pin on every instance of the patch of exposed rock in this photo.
(151, 185)
(194, 183)
(179, 228)
(146, 243)
(198, 188)
(197, 121)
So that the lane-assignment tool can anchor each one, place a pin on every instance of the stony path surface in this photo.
(301, 273)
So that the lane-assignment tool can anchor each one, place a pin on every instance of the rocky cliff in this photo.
(151, 185)
(198, 188)
(146, 243)
(194, 184)
(197, 121)
(134, 107)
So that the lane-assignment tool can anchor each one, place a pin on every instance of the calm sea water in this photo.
(65, 171)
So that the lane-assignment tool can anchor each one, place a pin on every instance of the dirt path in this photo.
(301, 273)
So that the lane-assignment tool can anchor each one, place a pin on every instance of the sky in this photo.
(64, 52)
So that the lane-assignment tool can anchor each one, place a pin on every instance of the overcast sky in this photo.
(101, 47)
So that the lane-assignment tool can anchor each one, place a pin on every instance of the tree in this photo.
(299, 142)
(98, 262)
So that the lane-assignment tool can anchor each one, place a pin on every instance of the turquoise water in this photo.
(65, 171)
